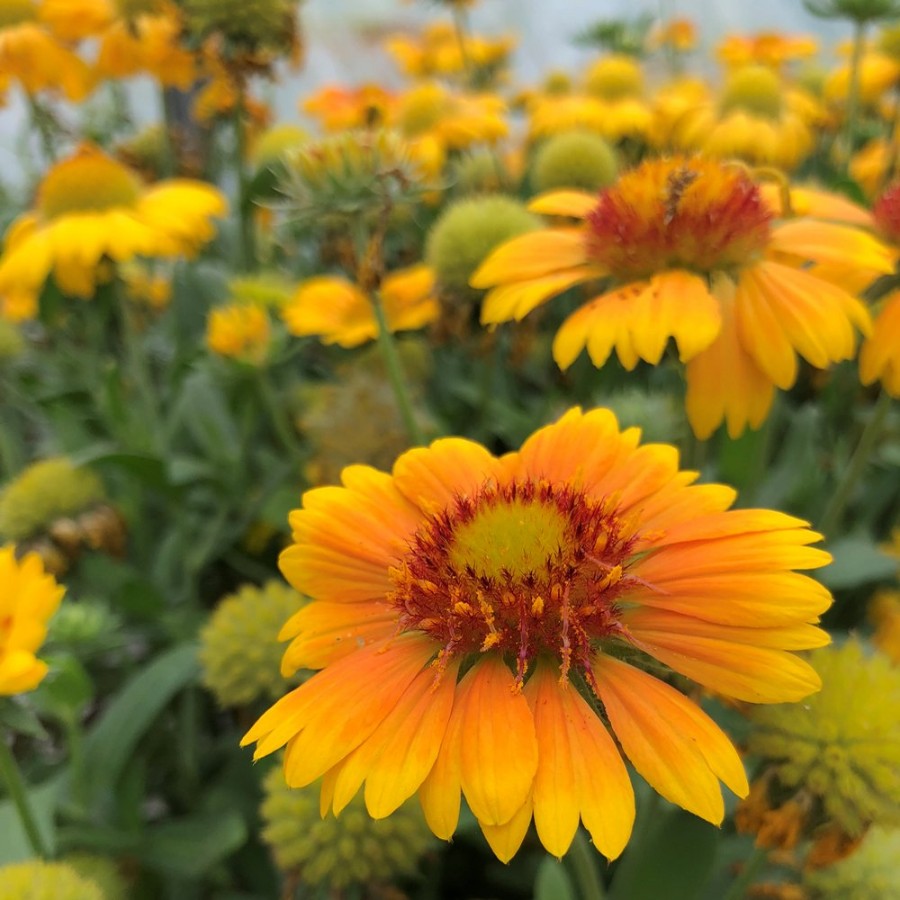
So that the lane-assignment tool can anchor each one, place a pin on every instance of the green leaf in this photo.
(191, 846)
(66, 689)
(857, 560)
(19, 719)
(553, 882)
(14, 843)
(203, 413)
(674, 861)
(131, 713)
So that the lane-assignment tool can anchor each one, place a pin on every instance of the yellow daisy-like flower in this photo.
(688, 250)
(32, 54)
(145, 38)
(617, 83)
(550, 114)
(545, 579)
(456, 120)
(770, 48)
(439, 51)
(878, 73)
(338, 312)
(239, 330)
(879, 357)
(342, 109)
(758, 119)
(91, 208)
(28, 599)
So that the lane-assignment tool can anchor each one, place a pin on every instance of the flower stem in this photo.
(859, 31)
(584, 867)
(245, 207)
(18, 793)
(395, 372)
(738, 889)
(833, 514)
(280, 422)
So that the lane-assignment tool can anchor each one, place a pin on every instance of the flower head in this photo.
(339, 852)
(339, 312)
(91, 208)
(239, 649)
(29, 598)
(688, 249)
(842, 746)
(574, 159)
(40, 880)
(47, 490)
(239, 330)
(466, 232)
(871, 872)
(879, 357)
(469, 612)
(36, 56)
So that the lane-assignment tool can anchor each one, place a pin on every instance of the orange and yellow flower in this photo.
(879, 357)
(439, 51)
(91, 208)
(338, 312)
(758, 118)
(341, 109)
(470, 612)
(240, 331)
(687, 249)
(27, 601)
(38, 58)
(769, 48)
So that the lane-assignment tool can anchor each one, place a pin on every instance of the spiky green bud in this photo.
(871, 872)
(239, 648)
(841, 745)
(337, 853)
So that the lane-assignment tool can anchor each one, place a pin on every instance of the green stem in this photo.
(245, 207)
(75, 745)
(583, 861)
(460, 29)
(280, 422)
(138, 368)
(43, 122)
(395, 372)
(18, 793)
(853, 89)
(738, 889)
(833, 514)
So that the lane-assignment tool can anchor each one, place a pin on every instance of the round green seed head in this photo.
(103, 872)
(871, 872)
(39, 880)
(466, 232)
(841, 745)
(337, 852)
(574, 159)
(44, 492)
(240, 653)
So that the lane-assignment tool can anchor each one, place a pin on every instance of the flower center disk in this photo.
(696, 214)
(523, 569)
(88, 182)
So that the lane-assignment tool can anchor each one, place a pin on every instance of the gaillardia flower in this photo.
(29, 598)
(879, 357)
(91, 208)
(470, 613)
(688, 249)
(339, 312)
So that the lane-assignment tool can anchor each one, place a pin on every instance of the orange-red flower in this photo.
(469, 612)
(686, 248)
